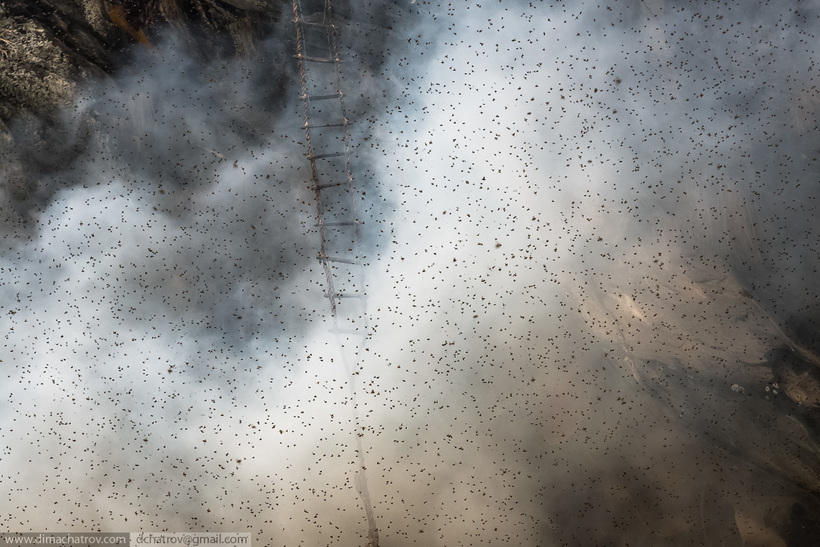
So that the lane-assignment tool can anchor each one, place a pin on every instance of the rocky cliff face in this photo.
(49, 49)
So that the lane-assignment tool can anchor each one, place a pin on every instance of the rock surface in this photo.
(49, 49)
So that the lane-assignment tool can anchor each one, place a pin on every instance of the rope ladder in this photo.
(327, 136)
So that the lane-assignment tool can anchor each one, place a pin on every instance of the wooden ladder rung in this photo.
(329, 185)
(345, 331)
(335, 259)
(334, 224)
(309, 24)
(322, 97)
(316, 59)
(324, 125)
(323, 156)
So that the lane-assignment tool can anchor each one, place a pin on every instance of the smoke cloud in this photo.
(592, 250)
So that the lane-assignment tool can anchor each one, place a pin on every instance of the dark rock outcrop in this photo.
(50, 49)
